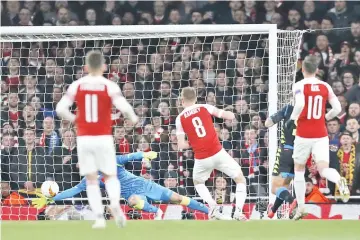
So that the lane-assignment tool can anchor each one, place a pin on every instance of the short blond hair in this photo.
(94, 60)
(189, 94)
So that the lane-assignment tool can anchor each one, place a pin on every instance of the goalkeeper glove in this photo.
(150, 155)
(41, 202)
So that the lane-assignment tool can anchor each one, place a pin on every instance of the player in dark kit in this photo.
(283, 171)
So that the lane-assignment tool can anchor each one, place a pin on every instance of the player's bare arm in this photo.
(63, 107)
(182, 142)
(220, 113)
(121, 104)
(335, 104)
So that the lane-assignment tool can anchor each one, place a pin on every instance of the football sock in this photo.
(94, 197)
(145, 206)
(331, 174)
(284, 194)
(193, 204)
(277, 204)
(240, 196)
(112, 186)
(300, 188)
(204, 193)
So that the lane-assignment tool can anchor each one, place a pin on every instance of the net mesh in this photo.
(230, 72)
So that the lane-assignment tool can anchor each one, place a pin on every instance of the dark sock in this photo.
(286, 196)
(277, 204)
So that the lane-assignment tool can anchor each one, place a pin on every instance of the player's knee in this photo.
(133, 200)
(92, 179)
(176, 198)
(299, 167)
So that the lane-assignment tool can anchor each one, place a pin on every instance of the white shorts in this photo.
(96, 153)
(317, 147)
(221, 161)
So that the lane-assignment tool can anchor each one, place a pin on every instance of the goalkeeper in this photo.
(283, 171)
(136, 190)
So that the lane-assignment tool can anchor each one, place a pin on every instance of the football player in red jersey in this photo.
(196, 122)
(311, 137)
(94, 96)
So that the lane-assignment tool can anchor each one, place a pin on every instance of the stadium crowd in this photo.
(228, 72)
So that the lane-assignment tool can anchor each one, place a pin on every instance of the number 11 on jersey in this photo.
(91, 108)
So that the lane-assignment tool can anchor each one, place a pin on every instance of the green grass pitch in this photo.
(183, 230)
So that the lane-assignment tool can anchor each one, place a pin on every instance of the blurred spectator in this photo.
(346, 156)
(313, 194)
(340, 14)
(9, 197)
(159, 12)
(49, 138)
(333, 127)
(352, 125)
(354, 111)
(221, 191)
(65, 162)
(28, 166)
(171, 182)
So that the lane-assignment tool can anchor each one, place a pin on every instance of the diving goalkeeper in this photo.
(136, 190)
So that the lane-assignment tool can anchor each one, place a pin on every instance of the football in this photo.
(49, 189)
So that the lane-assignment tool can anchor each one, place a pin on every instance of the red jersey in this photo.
(93, 97)
(311, 122)
(196, 122)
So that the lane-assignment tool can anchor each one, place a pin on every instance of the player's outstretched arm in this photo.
(42, 201)
(277, 117)
(220, 113)
(71, 192)
(123, 159)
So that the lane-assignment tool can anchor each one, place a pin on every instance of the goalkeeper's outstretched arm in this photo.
(123, 159)
(72, 191)
(278, 116)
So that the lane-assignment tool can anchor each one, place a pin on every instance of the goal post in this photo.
(263, 45)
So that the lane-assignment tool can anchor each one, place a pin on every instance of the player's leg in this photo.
(139, 202)
(321, 158)
(279, 187)
(302, 150)
(283, 173)
(201, 173)
(106, 163)
(88, 168)
(226, 164)
(188, 202)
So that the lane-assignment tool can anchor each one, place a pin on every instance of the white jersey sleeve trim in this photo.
(209, 108)
(179, 128)
(298, 92)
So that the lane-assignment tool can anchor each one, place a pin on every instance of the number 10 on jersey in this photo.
(91, 108)
(314, 110)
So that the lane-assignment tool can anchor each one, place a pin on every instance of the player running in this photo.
(94, 96)
(311, 96)
(136, 190)
(196, 122)
(283, 171)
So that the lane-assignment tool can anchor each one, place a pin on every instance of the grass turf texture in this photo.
(183, 230)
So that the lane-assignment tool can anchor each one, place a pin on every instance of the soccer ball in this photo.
(49, 189)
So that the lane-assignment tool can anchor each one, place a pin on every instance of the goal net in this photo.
(246, 69)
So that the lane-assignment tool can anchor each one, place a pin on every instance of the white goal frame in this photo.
(73, 33)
